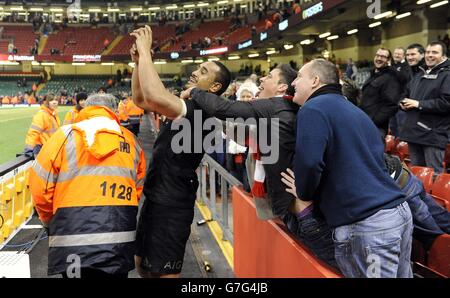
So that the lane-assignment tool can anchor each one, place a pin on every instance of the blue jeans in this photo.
(430, 220)
(378, 246)
(313, 231)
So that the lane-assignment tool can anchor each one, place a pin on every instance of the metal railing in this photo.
(209, 167)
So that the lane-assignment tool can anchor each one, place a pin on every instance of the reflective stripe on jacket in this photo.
(86, 183)
(43, 126)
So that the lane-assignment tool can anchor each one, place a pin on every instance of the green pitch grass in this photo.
(14, 124)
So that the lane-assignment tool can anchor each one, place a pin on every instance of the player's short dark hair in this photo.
(223, 76)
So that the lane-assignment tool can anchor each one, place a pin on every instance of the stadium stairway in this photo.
(112, 45)
(42, 42)
(203, 257)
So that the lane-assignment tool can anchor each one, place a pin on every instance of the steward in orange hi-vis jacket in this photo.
(43, 126)
(134, 113)
(86, 183)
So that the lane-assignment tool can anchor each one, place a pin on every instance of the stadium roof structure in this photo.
(102, 2)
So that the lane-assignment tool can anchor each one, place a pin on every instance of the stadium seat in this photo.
(23, 37)
(402, 150)
(441, 189)
(425, 175)
(439, 255)
(72, 41)
(160, 34)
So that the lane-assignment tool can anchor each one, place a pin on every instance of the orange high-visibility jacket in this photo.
(86, 183)
(132, 109)
(43, 126)
(71, 116)
(123, 113)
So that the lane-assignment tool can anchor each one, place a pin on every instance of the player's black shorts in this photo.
(161, 237)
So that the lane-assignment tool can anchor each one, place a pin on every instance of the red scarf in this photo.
(258, 188)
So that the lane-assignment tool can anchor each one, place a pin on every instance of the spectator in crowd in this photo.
(106, 43)
(351, 71)
(231, 91)
(446, 41)
(254, 33)
(286, 14)
(73, 188)
(415, 55)
(247, 91)
(427, 103)
(236, 153)
(329, 130)
(260, 11)
(404, 75)
(119, 77)
(11, 47)
(401, 65)
(381, 92)
(351, 91)
(268, 25)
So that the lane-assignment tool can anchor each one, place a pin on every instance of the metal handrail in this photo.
(13, 164)
(226, 180)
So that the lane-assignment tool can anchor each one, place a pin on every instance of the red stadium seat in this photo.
(439, 255)
(441, 202)
(425, 175)
(441, 188)
(403, 152)
(22, 35)
(80, 40)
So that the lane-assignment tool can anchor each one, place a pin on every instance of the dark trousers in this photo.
(134, 128)
(396, 123)
(427, 156)
(89, 273)
(313, 231)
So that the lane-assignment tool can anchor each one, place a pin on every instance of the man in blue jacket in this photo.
(371, 222)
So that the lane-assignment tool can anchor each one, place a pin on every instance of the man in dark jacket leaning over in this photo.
(275, 102)
(427, 103)
(381, 92)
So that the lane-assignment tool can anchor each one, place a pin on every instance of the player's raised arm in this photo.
(155, 96)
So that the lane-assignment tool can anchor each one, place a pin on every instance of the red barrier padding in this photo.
(263, 249)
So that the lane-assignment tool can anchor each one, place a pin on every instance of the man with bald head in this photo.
(339, 165)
